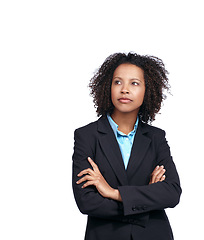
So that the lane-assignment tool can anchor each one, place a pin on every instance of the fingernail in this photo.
(157, 167)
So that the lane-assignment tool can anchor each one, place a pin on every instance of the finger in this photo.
(89, 183)
(153, 175)
(86, 171)
(155, 170)
(162, 178)
(85, 178)
(156, 173)
(94, 166)
(160, 174)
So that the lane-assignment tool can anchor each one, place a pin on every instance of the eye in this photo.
(135, 83)
(117, 82)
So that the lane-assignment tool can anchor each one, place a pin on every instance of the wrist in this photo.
(116, 195)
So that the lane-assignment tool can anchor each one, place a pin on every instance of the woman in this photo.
(119, 161)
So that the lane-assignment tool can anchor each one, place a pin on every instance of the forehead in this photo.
(128, 70)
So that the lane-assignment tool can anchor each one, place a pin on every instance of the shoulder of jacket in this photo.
(153, 130)
(91, 127)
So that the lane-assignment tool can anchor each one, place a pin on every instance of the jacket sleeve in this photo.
(88, 200)
(156, 196)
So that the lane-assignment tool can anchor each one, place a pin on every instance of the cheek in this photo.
(113, 94)
(140, 95)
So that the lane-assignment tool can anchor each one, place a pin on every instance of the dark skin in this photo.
(127, 95)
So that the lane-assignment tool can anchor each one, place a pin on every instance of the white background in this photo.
(49, 50)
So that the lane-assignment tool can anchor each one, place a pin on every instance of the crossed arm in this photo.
(95, 197)
(95, 178)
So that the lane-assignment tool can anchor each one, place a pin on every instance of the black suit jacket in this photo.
(141, 214)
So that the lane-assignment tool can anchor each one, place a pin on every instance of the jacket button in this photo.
(134, 208)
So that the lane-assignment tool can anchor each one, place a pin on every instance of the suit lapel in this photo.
(111, 149)
(139, 149)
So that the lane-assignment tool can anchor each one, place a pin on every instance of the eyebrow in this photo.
(129, 79)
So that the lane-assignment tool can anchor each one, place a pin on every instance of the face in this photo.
(128, 88)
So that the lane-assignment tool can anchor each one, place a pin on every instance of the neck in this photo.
(125, 121)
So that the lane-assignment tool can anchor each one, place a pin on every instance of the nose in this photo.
(124, 89)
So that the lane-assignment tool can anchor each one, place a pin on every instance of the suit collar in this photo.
(111, 149)
(104, 126)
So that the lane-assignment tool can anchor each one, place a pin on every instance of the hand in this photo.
(94, 177)
(158, 175)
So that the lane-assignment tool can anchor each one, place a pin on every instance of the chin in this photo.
(126, 111)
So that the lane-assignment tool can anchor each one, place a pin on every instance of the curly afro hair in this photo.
(156, 81)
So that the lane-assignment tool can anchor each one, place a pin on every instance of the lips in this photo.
(124, 100)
